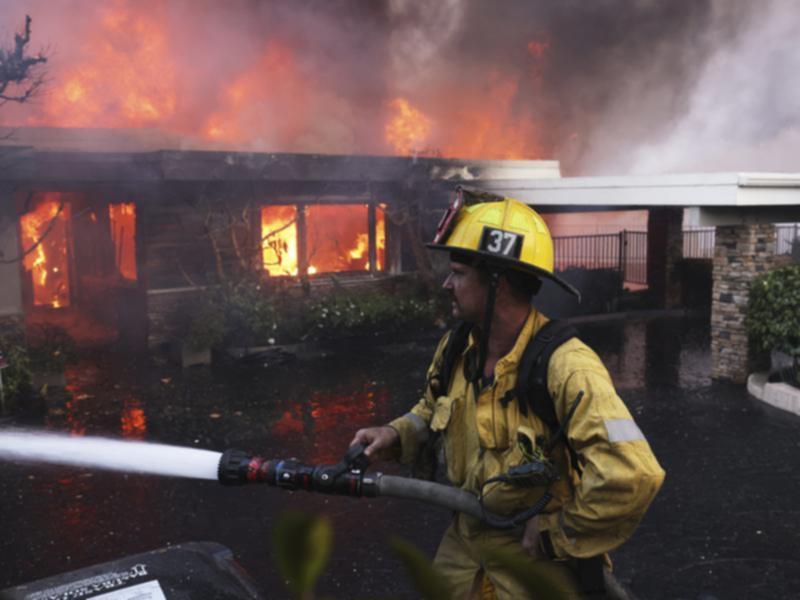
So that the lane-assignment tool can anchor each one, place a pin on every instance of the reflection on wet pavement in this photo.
(724, 521)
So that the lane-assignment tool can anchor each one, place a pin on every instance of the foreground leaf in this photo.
(539, 582)
(302, 545)
(428, 581)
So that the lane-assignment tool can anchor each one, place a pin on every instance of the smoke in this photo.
(742, 113)
(608, 86)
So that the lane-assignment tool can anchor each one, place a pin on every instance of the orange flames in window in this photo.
(279, 240)
(44, 237)
(337, 239)
(123, 235)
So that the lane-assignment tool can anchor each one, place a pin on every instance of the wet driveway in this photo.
(725, 525)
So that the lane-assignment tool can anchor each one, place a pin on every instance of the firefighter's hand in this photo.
(531, 541)
(377, 439)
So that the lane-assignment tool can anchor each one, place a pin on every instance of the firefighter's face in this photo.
(468, 292)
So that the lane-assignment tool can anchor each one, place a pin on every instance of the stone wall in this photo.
(741, 253)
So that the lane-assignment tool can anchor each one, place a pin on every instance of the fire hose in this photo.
(349, 478)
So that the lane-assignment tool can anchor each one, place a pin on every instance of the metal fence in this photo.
(785, 236)
(699, 243)
(634, 258)
(625, 251)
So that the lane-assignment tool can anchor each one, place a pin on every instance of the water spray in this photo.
(114, 455)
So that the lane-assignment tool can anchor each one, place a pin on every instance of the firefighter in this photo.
(480, 415)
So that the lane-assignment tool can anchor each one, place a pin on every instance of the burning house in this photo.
(174, 150)
(100, 238)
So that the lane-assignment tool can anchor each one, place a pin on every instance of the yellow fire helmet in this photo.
(502, 231)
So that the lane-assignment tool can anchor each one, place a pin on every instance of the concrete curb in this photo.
(779, 395)
(648, 313)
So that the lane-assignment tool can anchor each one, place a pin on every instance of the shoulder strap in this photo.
(532, 381)
(531, 388)
(440, 380)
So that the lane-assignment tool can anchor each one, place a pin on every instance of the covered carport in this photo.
(743, 207)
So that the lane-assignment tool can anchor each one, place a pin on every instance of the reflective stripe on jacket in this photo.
(590, 513)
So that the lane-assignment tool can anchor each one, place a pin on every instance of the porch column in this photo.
(664, 251)
(741, 253)
(11, 309)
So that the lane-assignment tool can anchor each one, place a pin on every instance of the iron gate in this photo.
(625, 252)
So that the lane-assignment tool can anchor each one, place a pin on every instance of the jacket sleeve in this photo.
(413, 426)
(620, 475)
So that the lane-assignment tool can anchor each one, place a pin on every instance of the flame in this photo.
(128, 77)
(380, 236)
(489, 127)
(337, 238)
(269, 99)
(362, 243)
(279, 239)
(123, 234)
(408, 129)
(129, 66)
(48, 262)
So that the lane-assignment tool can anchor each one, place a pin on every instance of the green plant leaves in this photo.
(537, 581)
(302, 544)
(773, 311)
(428, 581)
(251, 314)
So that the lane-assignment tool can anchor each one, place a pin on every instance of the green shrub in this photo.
(773, 313)
(366, 312)
(248, 314)
(49, 348)
(206, 329)
(17, 375)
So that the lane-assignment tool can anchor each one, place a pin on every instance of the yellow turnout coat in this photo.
(591, 512)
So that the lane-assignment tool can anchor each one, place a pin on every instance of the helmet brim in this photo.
(510, 263)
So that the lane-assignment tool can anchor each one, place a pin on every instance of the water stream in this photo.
(104, 453)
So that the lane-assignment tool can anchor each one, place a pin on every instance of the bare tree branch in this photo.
(36, 244)
(18, 77)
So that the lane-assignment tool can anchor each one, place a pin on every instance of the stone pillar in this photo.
(741, 253)
(664, 251)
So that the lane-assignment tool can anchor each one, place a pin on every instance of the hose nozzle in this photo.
(345, 478)
(237, 468)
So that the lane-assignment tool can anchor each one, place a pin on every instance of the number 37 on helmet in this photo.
(502, 232)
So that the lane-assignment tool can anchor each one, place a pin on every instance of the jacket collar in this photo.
(509, 362)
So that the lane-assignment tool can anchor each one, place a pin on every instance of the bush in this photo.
(773, 313)
(17, 375)
(49, 348)
(365, 312)
(247, 314)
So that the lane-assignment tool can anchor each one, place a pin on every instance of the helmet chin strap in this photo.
(491, 296)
